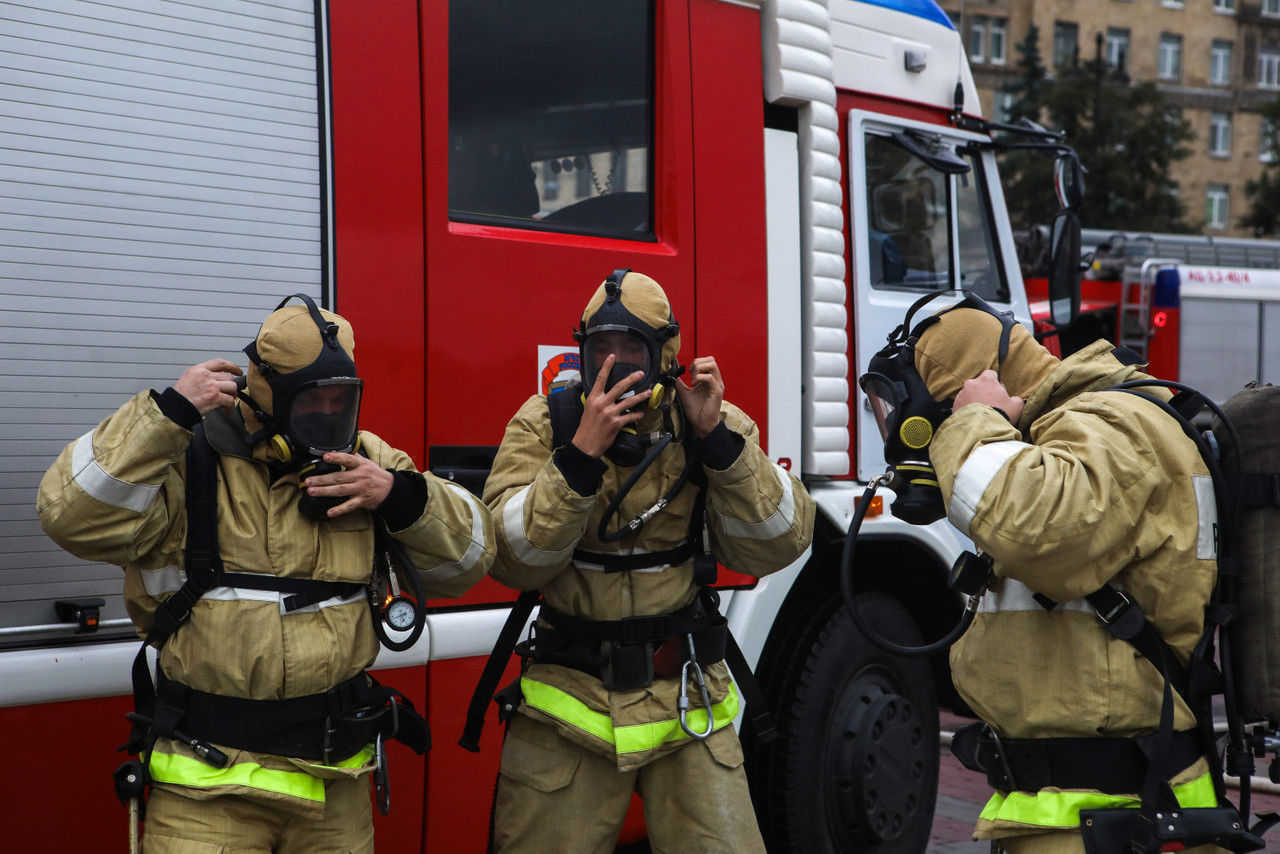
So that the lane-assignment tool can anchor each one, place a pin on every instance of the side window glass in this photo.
(980, 268)
(907, 225)
(551, 115)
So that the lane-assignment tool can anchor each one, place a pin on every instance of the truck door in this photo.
(916, 229)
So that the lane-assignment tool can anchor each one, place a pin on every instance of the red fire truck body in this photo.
(786, 220)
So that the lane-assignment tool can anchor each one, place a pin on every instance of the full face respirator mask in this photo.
(314, 410)
(908, 417)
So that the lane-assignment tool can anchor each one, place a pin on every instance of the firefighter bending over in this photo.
(263, 726)
(616, 504)
(1074, 491)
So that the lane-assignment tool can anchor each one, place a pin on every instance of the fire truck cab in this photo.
(455, 179)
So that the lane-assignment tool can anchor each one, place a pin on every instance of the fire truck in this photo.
(455, 178)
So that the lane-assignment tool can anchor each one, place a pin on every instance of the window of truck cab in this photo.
(921, 228)
(551, 115)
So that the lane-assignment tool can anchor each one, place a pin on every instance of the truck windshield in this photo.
(928, 230)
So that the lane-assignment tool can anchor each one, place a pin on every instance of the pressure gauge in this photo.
(400, 613)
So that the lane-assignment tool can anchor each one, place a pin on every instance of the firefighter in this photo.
(624, 688)
(264, 727)
(1069, 487)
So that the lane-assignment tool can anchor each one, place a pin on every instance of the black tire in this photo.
(857, 766)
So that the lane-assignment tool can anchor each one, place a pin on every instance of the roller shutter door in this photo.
(164, 184)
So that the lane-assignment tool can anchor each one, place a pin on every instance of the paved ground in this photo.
(962, 793)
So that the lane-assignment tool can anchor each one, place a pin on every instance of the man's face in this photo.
(324, 416)
(323, 400)
(629, 355)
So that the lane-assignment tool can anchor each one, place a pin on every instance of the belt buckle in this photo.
(626, 667)
(1003, 756)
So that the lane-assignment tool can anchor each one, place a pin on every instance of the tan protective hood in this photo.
(646, 299)
(289, 340)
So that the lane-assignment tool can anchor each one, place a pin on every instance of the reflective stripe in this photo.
(525, 551)
(1207, 513)
(975, 476)
(1012, 595)
(1062, 809)
(159, 582)
(451, 568)
(776, 525)
(187, 771)
(95, 481)
(633, 738)
(599, 567)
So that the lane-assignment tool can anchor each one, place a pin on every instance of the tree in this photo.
(1264, 194)
(1128, 138)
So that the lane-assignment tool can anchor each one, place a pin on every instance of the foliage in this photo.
(1128, 138)
(1264, 194)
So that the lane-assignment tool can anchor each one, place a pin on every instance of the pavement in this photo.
(962, 794)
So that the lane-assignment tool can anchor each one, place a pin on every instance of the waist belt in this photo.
(327, 727)
(643, 560)
(1116, 766)
(627, 654)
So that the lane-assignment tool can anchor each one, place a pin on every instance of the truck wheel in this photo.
(859, 758)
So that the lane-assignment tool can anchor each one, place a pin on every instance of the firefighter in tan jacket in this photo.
(600, 717)
(1068, 487)
(266, 678)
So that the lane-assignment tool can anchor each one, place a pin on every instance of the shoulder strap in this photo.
(565, 407)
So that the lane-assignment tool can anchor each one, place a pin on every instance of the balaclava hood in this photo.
(640, 304)
(962, 343)
(289, 341)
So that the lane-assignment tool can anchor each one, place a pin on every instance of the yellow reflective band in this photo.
(625, 739)
(1062, 809)
(186, 771)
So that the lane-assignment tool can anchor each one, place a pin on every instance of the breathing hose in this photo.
(850, 600)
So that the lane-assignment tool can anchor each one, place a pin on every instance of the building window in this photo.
(1066, 39)
(1227, 7)
(1266, 141)
(1217, 198)
(1117, 46)
(1271, 8)
(1220, 134)
(1220, 62)
(1269, 68)
(1170, 66)
(977, 38)
(999, 41)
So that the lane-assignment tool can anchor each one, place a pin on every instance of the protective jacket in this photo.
(760, 519)
(1090, 487)
(117, 494)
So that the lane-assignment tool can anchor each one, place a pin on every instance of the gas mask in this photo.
(315, 409)
(636, 345)
(908, 417)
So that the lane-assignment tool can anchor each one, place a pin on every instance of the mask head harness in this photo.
(314, 409)
(908, 416)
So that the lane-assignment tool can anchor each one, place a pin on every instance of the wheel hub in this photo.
(876, 766)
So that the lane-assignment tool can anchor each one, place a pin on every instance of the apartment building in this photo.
(1218, 61)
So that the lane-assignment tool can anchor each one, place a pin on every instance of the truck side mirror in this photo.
(1064, 269)
(1068, 181)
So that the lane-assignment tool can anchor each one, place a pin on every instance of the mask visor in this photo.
(630, 352)
(884, 396)
(323, 415)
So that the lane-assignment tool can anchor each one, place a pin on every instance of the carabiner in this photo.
(381, 780)
(691, 663)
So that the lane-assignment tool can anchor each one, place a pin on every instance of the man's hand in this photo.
(603, 415)
(702, 400)
(986, 388)
(209, 385)
(362, 482)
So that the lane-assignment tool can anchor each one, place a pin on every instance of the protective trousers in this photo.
(228, 823)
(557, 797)
(1068, 842)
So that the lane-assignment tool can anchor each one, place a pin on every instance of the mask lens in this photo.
(882, 397)
(630, 353)
(323, 415)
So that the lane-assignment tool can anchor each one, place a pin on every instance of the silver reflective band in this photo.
(95, 481)
(1207, 513)
(1011, 595)
(451, 568)
(983, 464)
(596, 567)
(513, 527)
(776, 525)
(159, 582)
